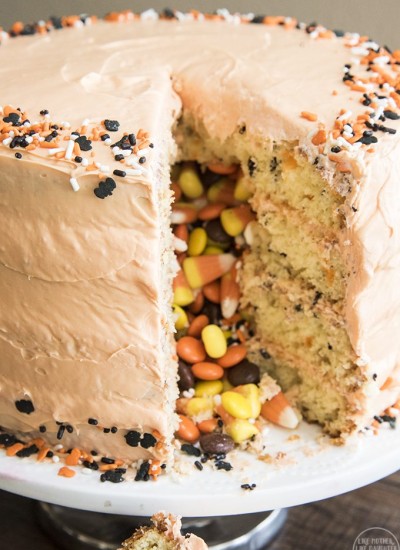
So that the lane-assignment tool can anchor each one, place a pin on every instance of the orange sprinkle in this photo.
(42, 454)
(13, 450)
(334, 92)
(60, 155)
(73, 458)
(312, 117)
(91, 167)
(66, 472)
(38, 441)
(319, 137)
(77, 150)
(47, 144)
(30, 147)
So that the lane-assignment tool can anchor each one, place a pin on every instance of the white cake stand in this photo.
(303, 467)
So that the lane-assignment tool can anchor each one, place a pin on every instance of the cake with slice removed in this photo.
(87, 264)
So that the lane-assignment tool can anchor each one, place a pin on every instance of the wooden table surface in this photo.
(327, 525)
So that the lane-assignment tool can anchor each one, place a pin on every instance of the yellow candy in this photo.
(252, 393)
(197, 241)
(214, 341)
(208, 388)
(240, 430)
(198, 405)
(242, 190)
(181, 319)
(231, 223)
(212, 250)
(183, 296)
(236, 405)
(190, 182)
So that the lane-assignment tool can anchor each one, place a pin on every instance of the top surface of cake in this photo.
(281, 84)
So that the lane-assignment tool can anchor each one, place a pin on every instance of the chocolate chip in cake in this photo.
(25, 406)
(111, 125)
(132, 438)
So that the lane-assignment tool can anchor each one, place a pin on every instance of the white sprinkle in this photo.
(345, 116)
(104, 168)
(85, 162)
(26, 123)
(115, 150)
(55, 458)
(70, 149)
(28, 139)
(97, 164)
(41, 138)
(130, 172)
(12, 133)
(74, 184)
(188, 393)
(7, 141)
(142, 152)
(55, 150)
(87, 471)
(58, 447)
(371, 45)
(314, 34)
(126, 152)
(348, 128)
(381, 60)
(180, 245)
(65, 124)
(85, 122)
(108, 141)
(149, 15)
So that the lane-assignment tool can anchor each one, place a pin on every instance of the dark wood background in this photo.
(327, 525)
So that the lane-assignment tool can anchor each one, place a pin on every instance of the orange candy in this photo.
(207, 371)
(208, 426)
(188, 431)
(66, 472)
(212, 291)
(211, 211)
(222, 169)
(233, 356)
(190, 349)
(197, 325)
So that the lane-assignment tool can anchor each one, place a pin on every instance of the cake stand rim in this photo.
(39, 481)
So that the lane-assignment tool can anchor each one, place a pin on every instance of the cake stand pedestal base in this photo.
(81, 530)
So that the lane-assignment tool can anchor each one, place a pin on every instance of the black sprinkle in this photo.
(242, 129)
(91, 465)
(378, 419)
(391, 115)
(120, 173)
(132, 139)
(111, 125)
(8, 439)
(94, 453)
(143, 472)
(18, 155)
(113, 476)
(163, 466)
(339, 33)
(198, 465)
(354, 209)
(84, 143)
(42, 429)
(118, 157)
(44, 112)
(78, 159)
(105, 188)
(106, 460)
(114, 429)
(148, 441)
(93, 421)
(330, 347)
(132, 438)
(106, 430)
(69, 428)
(142, 160)
(258, 19)
(49, 454)
(374, 376)
(60, 432)
(222, 465)
(390, 419)
(104, 137)
(25, 406)
(248, 487)
(168, 13)
(336, 149)
(28, 451)
(13, 118)
(191, 450)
